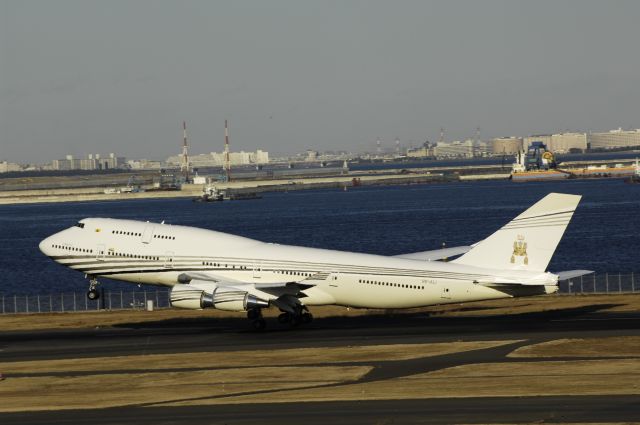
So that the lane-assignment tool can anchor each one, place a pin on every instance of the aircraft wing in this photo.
(436, 255)
(290, 287)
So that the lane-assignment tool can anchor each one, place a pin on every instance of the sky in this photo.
(79, 77)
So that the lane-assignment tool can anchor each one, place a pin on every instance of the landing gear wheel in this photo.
(295, 321)
(307, 317)
(284, 318)
(259, 324)
(92, 294)
(254, 314)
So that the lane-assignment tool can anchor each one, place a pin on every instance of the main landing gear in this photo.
(93, 293)
(300, 316)
(257, 321)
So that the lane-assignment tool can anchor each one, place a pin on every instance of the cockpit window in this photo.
(80, 225)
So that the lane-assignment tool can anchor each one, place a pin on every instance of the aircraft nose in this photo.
(45, 246)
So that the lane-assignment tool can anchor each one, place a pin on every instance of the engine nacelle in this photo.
(228, 298)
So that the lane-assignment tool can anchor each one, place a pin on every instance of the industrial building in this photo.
(215, 159)
(7, 167)
(424, 151)
(614, 139)
(507, 145)
(91, 162)
(565, 142)
(559, 142)
(144, 164)
(455, 149)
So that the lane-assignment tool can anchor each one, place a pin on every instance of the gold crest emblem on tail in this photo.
(520, 250)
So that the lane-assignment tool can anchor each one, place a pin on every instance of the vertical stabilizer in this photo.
(528, 241)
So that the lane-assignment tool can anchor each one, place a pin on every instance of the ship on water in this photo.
(619, 170)
(537, 163)
(635, 178)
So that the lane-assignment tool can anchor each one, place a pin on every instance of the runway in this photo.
(406, 368)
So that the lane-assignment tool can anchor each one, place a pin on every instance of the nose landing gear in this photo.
(93, 293)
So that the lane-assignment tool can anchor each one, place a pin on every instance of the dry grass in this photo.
(233, 359)
(611, 303)
(195, 377)
(617, 303)
(595, 377)
(615, 346)
(305, 374)
(100, 391)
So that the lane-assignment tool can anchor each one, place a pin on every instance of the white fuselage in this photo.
(151, 253)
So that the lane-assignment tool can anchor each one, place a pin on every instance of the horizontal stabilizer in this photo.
(570, 274)
(435, 255)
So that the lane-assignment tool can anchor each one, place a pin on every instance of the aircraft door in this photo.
(147, 234)
(257, 270)
(100, 251)
(168, 260)
(446, 292)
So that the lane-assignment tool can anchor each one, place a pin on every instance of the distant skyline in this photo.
(79, 77)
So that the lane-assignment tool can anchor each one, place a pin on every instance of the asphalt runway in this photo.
(204, 335)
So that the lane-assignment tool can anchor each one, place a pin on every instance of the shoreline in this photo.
(88, 189)
(259, 186)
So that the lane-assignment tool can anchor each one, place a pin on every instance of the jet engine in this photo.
(210, 295)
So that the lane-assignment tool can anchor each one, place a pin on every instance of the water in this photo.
(603, 235)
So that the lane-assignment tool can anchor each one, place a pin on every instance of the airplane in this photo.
(209, 269)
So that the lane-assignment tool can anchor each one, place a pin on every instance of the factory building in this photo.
(144, 164)
(565, 142)
(614, 139)
(455, 149)
(482, 148)
(7, 167)
(215, 159)
(507, 145)
(91, 162)
(424, 151)
(560, 142)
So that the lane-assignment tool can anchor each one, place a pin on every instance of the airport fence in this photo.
(78, 301)
(602, 283)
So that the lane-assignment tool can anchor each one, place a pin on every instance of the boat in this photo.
(536, 164)
(242, 196)
(210, 194)
(635, 178)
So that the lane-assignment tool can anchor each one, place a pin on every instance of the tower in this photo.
(397, 146)
(379, 146)
(184, 165)
(227, 161)
(441, 134)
